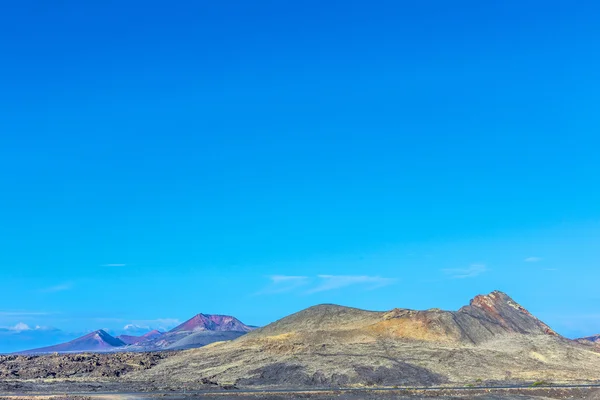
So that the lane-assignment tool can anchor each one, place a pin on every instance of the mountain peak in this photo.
(98, 341)
(209, 322)
(501, 309)
(494, 299)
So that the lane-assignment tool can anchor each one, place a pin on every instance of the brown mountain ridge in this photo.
(491, 339)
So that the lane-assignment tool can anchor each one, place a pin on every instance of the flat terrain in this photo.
(583, 393)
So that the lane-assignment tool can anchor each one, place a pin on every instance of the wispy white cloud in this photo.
(22, 313)
(470, 272)
(162, 324)
(332, 282)
(140, 323)
(113, 265)
(322, 283)
(533, 259)
(279, 279)
(284, 283)
(20, 327)
(135, 327)
(58, 288)
(23, 327)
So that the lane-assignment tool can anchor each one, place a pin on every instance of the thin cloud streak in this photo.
(533, 259)
(284, 283)
(162, 324)
(278, 279)
(472, 271)
(323, 283)
(58, 288)
(332, 282)
(22, 313)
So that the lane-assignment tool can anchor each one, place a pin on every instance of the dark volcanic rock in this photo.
(283, 374)
(402, 374)
(77, 365)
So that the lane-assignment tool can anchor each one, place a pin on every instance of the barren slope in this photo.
(493, 338)
(198, 331)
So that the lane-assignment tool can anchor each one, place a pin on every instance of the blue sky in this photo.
(158, 160)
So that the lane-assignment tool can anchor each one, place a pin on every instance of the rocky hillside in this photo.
(491, 339)
(485, 318)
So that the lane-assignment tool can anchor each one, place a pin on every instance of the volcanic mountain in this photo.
(198, 331)
(207, 322)
(492, 339)
(98, 341)
(131, 339)
(591, 339)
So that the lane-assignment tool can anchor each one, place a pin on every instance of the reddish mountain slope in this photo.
(198, 331)
(207, 322)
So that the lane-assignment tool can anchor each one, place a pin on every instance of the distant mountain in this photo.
(492, 339)
(131, 339)
(592, 339)
(198, 331)
(98, 341)
(207, 322)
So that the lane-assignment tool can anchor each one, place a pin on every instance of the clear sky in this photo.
(160, 159)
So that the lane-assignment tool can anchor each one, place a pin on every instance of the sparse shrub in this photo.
(539, 383)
